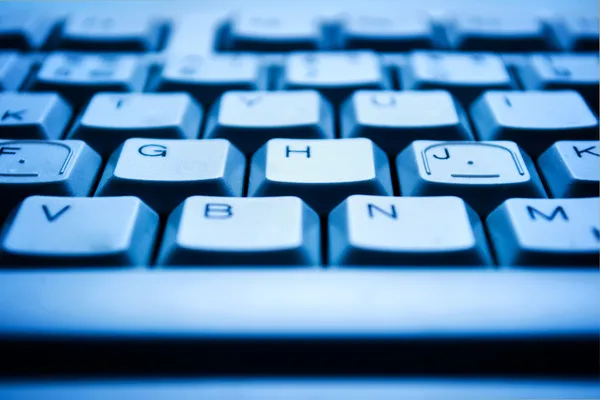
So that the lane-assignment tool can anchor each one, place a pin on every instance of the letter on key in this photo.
(546, 232)
(322, 172)
(111, 118)
(164, 172)
(410, 231)
(50, 167)
(571, 168)
(484, 174)
(249, 119)
(80, 231)
(259, 231)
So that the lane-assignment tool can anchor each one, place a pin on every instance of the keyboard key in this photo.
(57, 168)
(278, 33)
(77, 77)
(484, 174)
(24, 30)
(248, 231)
(250, 119)
(386, 33)
(111, 118)
(80, 232)
(33, 116)
(207, 78)
(546, 232)
(502, 33)
(535, 120)
(164, 172)
(409, 231)
(572, 33)
(395, 119)
(466, 75)
(13, 70)
(322, 172)
(114, 32)
(562, 71)
(571, 169)
(336, 75)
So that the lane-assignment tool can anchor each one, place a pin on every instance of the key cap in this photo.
(546, 232)
(466, 75)
(484, 174)
(265, 32)
(77, 77)
(321, 172)
(110, 32)
(250, 119)
(562, 71)
(57, 167)
(574, 33)
(164, 172)
(13, 70)
(387, 33)
(111, 118)
(394, 119)
(571, 168)
(501, 33)
(249, 231)
(409, 231)
(24, 30)
(207, 78)
(336, 75)
(534, 120)
(33, 116)
(62, 231)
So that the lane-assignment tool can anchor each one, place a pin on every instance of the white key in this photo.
(112, 118)
(484, 174)
(410, 231)
(164, 172)
(322, 172)
(571, 168)
(80, 231)
(259, 231)
(546, 232)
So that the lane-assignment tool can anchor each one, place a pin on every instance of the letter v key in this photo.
(52, 217)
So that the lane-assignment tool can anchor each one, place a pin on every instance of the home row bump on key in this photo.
(362, 230)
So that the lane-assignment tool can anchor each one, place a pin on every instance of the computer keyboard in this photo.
(285, 191)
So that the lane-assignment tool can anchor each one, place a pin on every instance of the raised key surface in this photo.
(80, 231)
(376, 230)
(248, 231)
(78, 76)
(562, 71)
(335, 74)
(111, 118)
(386, 33)
(13, 70)
(561, 232)
(207, 78)
(49, 167)
(575, 33)
(465, 75)
(571, 168)
(321, 172)
(33, 116)
(164, 172)
(484, 174)
(110, 32)
(24, 30)
(534, 120)
(249, 119)
(395, 119)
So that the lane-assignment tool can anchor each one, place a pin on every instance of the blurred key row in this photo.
(323, 172)
(267, 32)
(336, 75)
(362, 230)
